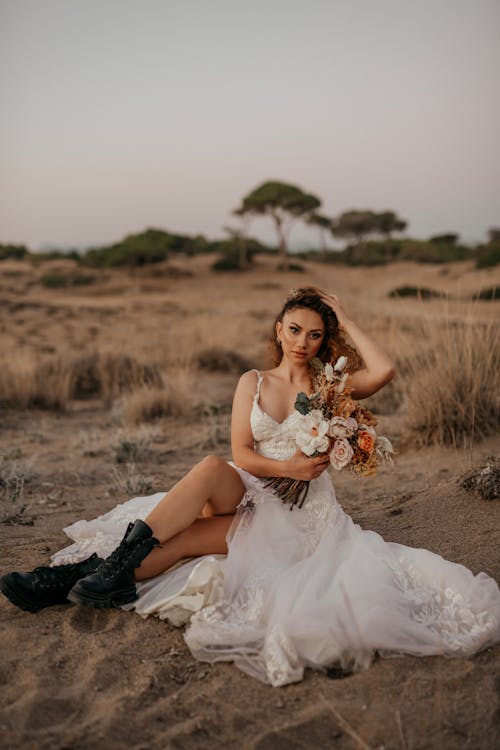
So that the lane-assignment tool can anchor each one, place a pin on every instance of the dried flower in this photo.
(340, 364)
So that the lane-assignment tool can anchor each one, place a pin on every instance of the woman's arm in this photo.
(379, 369)
(298, 466)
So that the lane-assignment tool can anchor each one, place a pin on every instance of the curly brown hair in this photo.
(333, 345)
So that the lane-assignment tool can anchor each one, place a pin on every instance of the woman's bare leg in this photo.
(211, 481)
(205, 536)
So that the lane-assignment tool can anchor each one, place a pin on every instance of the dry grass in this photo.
(176, 398)
(51, 383)
(217, 359)
(452, 395)
(128, 481)
(154, 355)
(14, 476)
(26, 382)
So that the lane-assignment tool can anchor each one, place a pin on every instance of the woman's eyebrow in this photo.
(313, 330)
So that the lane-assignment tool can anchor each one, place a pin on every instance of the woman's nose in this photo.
(303, 341)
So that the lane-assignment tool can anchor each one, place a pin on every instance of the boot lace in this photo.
(60, 576)
(121, 557)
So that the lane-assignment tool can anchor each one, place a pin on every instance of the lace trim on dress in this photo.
(442, 609)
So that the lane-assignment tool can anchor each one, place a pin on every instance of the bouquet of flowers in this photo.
(330, 421)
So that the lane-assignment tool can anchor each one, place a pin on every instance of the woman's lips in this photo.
(299, 354)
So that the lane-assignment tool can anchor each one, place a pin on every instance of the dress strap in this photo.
(259, 383)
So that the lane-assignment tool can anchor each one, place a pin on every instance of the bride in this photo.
(272, 589)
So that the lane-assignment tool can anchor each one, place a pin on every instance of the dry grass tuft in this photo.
(452, 396)
(174, 399)
(108, 374)
(129, 482)
(14, 475)
(27, 382)
(485, 480)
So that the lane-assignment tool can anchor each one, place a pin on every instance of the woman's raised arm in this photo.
(380, 368)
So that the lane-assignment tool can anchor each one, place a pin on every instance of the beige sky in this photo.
(120, 114)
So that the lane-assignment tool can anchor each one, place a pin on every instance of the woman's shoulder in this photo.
(253, 376)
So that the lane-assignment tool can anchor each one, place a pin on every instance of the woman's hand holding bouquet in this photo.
(330, 428)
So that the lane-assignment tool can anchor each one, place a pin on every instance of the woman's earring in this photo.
(278, 341)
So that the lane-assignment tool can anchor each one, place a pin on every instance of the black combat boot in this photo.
(45, 586)
(113, 583)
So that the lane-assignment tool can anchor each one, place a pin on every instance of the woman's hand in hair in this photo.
(300, 466)
(334, 303)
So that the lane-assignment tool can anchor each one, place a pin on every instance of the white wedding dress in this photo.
(304, 587)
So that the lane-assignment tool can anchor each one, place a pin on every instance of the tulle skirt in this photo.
(305, 588)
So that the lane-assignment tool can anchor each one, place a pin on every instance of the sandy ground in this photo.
(72, 677)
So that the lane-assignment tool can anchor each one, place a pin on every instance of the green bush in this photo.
(488, 255)
(58, 280)
(150, 246)
(230, 251)
(39, 257)
(441, 249)
(17, 252)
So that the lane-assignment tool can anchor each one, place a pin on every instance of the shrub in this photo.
(108, 374)
(132, 448)
(129, 482)
(485, 480)
(489, 294)
(17, 252)
(488, 255)
(150, 246)
(231, 254)
(173, 399)
(13, 478)
(415, 291)
(58, 280)
(217, 359)
(291, 266)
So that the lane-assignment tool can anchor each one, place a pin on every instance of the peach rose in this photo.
(366, 441)
(341, 453)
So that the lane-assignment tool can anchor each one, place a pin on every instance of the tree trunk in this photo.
(283, 254)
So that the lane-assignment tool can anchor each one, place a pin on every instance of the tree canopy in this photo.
(284, 204)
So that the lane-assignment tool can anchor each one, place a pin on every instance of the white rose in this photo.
(328, 372)
(312, 432)
(341, 454)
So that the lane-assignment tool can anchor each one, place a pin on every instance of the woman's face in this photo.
(301, 334)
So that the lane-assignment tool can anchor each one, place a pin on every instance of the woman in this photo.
(306, 587)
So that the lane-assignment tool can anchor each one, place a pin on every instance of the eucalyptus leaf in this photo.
(302, 403)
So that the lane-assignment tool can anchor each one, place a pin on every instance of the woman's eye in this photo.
(293, 329)
(315, 335)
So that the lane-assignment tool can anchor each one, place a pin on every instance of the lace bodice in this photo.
(276, 440)
(271, 438)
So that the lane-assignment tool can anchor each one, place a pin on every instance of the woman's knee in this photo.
(211, 464)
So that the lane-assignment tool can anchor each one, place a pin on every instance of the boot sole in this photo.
(116, 599)
(16, 597)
